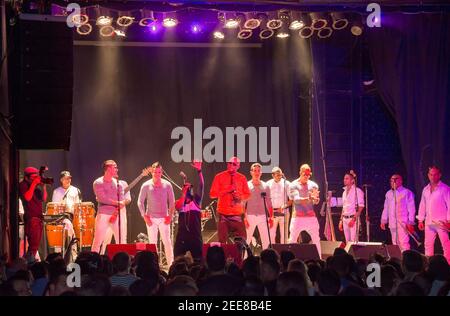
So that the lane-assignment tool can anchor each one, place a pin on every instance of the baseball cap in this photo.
(65, 173)
(30, 170)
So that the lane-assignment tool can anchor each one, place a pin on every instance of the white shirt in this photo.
(349, 201)
(70, 196)
(300, 193)
(278, 192)
(159, 199)
(435, 206)
(406, 209)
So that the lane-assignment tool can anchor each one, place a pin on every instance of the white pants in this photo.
(102, 225)
(310, 225)
(260, 222)
(349, 232)
(277, 221)
(123, 231)
(164, 231)
(403, 237)
(430, 238)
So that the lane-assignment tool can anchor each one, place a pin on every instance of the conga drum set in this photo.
(82, 216)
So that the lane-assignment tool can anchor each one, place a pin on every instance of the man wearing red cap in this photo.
(32, 193)
(231, 190)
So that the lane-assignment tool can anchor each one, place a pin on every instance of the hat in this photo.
(30, 170)
(65, 174)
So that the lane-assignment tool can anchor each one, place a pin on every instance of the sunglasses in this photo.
(233, 163)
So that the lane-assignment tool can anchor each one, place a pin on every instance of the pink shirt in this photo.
(435, 206)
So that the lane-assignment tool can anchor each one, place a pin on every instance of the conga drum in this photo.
(84, 223)
(55, 232)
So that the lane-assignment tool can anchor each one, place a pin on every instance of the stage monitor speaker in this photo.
(131, 249)
(231, 251)
(364, 250)
(43, 83)
(301, 251)
(328, 247)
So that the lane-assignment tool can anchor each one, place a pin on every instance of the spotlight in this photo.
(120, 32)
(107, 31)
(125, 19)
(339, 20)
(283, 31)
(195, 28)
(252, 22)
(104, 20)
(147, 18)
(318, 20)
(80, 19)
(84, 29)
(306, 32)
(170, 22)
(153, 27)
(230, 20)
(274, 22)
(325, 32)
(282, 34)
(245, 34)
(219, 35)
(357, 27)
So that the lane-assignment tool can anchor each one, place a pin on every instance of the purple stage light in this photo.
(195, 28)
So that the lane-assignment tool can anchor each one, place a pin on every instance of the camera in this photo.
(45, 180)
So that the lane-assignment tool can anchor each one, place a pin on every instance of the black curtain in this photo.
(410, 56)
(127, 101)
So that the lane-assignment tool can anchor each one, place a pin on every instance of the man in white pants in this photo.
(399, 212)
(434, 213)
(255, 215)
(110, 196)
(351, 197)
(279, 190)
(159, 210)
(305, 194)
(69, 195)
(123, 221)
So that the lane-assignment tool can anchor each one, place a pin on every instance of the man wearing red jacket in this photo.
(231, 189)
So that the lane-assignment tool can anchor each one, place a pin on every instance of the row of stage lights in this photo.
(279, 24)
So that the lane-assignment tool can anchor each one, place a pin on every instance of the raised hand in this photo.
(197, 164)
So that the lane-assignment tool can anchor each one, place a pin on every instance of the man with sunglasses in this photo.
(231, 189)
(399, 212)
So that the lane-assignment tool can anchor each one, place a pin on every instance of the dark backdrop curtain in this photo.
(127, 100)
(410, 56)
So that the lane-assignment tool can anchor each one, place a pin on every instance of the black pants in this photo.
(189, 236)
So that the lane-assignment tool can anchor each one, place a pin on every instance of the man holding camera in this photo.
(33, 193)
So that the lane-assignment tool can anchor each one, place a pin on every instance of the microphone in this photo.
(353, 173)
(367, 185)
(263, 194)
(183, 175)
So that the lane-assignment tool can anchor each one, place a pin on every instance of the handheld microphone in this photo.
(183, 175)
(353, 173)
(263, 194)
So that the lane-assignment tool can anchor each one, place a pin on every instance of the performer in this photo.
(189, 205)
(305, 194)
(106, 189)
(399, 212)
(255, 215)
(279, 190)
(32, 194)
(434, 213)
(123, 222)
(231, 189)
(159, 210)
(351, 197)
(69, 195)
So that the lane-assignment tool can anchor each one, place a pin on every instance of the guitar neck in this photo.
(133, 183)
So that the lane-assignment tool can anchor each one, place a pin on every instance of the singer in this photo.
(231, 189)
(189, 205)
(68, 195)
(399, 212)
(105, 189)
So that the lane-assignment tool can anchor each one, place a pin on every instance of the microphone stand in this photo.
(395, 212)
(365, 186)
(285, 211)
(356, 209)
(263, 195)
(118, 208)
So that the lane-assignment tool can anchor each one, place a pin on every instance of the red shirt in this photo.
(220, 189)
(32, 208)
